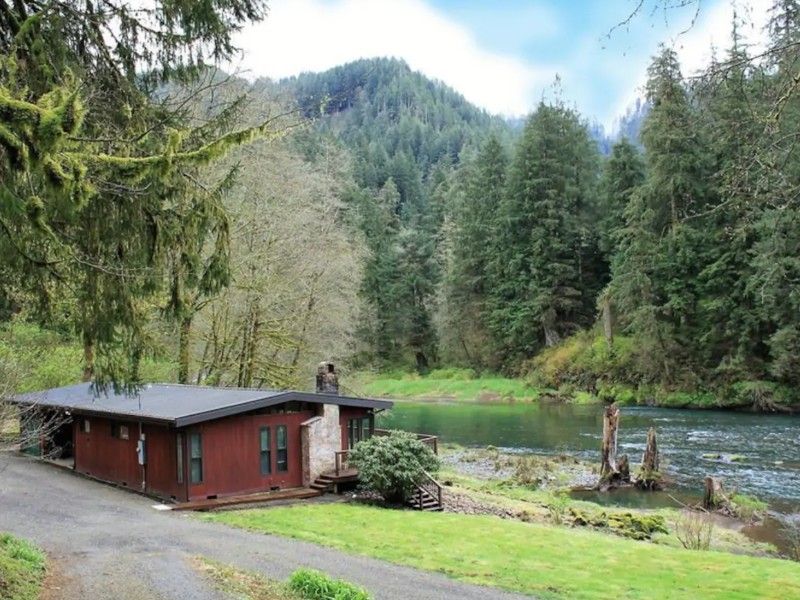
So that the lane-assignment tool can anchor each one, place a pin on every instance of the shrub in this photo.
(313, 585)
(584, 362)
(527, 472)
(747, 507)
(557, 507)
(693, 530)
(790, 532)
(393, 465)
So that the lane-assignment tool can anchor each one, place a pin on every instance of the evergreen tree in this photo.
(90, 157)
(539, 292)
(381, 226)
(623, 173)
(468, 282)
(655, 279)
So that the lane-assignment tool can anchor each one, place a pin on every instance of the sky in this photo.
(502, 55)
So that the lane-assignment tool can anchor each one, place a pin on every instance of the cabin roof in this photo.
(179, 405)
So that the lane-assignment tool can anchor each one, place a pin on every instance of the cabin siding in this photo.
(232, 455)
(107, 458)
(162, 463)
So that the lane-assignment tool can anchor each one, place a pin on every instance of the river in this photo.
(769, 444)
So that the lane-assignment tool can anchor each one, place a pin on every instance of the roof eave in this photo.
(230, 411)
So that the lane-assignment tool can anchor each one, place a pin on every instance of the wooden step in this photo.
(290, 494)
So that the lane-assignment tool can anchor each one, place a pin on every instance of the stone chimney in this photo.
(327, 381)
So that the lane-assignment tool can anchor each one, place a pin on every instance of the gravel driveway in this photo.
(106, 543)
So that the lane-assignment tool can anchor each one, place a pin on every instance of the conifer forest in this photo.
(170, 220)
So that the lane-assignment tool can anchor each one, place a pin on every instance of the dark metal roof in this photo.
(180, 405)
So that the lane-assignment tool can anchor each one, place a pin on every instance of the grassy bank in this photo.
(455, 384)
(545, 561)
(241, 584)
(22, 569)
(537, 489)
(304, 584)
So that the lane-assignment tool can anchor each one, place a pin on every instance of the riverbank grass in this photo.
(453, 384)
(540, 560)
(239, 583)
(304, 584)
(22, 569)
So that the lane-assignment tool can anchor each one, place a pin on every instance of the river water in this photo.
(769, 444)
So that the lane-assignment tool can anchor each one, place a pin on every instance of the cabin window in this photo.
(266, 454)
(86, 427)
(196, 457)
(281, 447)
(358, 430)
(179, 456)
(120, 432)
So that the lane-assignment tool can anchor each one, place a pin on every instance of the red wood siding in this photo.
(162, 463)
(232, 455)
(346, 413)
(107, 458)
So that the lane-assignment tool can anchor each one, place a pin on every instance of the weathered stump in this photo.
(609, 469)
(624, 469)
(714, 497)
(649, 477)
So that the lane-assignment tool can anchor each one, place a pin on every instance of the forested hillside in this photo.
(408, 137)
(676, 249)
(239, 233)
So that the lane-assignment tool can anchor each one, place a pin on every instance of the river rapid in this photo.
(767, 445)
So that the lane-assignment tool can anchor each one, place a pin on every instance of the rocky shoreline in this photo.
(543, 472)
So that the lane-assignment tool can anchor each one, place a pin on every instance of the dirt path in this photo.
(111, 544)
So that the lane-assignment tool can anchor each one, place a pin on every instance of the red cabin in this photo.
(186, 443)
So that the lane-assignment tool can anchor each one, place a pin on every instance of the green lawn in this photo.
(540, 560)
(452, 383)
(21, 569)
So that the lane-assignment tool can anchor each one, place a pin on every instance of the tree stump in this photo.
(609, 471)
(714, 497)
(624, 469)
(649, 477)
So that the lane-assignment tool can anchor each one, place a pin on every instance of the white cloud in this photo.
(315, 35)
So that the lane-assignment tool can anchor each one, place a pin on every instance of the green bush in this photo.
(583, 361)
(747, 507)
(760, 395)
(313, 585)
(393, 465)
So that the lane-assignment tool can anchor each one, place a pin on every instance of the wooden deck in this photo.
(344, 475)
(291, 494)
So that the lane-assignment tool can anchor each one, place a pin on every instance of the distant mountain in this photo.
(630, 124)
(395, 120)
(401, 124)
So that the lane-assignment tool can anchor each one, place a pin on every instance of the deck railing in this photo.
(430, 440)
(431, 486)
(342, 463)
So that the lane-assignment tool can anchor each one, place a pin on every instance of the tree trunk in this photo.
(649, 477)
(624, 469)
(609, 474)
(608, 323)
(714, 496)
(184, 335)
(88, 358)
